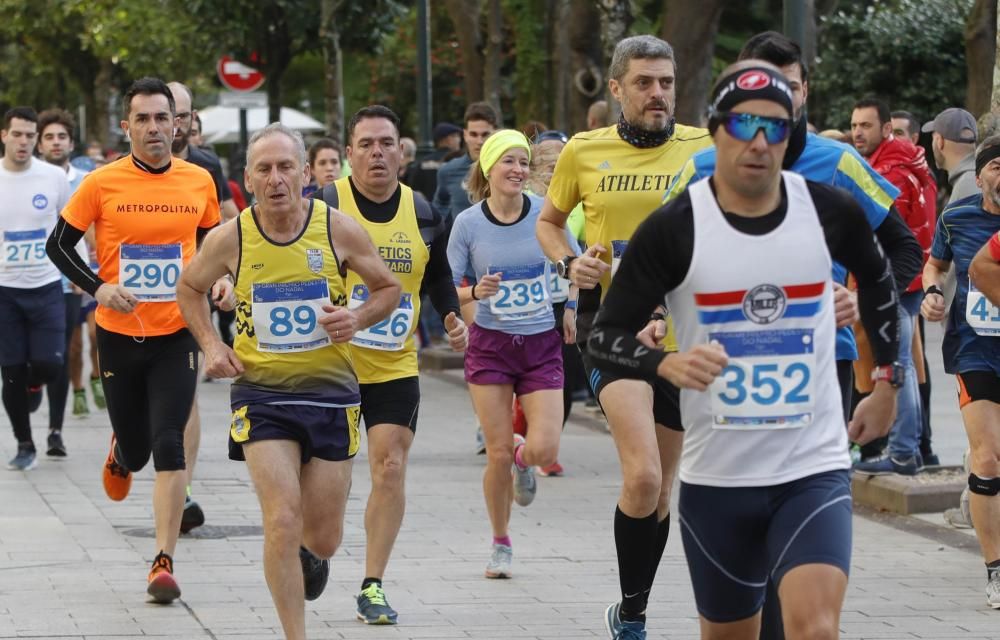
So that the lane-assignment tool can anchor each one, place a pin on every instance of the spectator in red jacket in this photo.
(902, 164)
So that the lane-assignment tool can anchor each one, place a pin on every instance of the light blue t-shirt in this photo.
(481, 244)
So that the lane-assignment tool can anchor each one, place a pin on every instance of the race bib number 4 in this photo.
(24, 248)
(524, 292)
(768, 383)
(285, 315)
(981, 314)
(150, 271)
(389, 334)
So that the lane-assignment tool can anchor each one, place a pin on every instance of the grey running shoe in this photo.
(960, 517)
(373, 608)
(480, 442)
(525, 485)
(993, 590)
(315, 573)
(500, 562)
(25, 458)
(613, 620)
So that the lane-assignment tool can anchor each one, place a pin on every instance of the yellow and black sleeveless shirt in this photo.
(280, 292)
(385, 351)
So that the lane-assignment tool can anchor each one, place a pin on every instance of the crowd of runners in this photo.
(695, 276)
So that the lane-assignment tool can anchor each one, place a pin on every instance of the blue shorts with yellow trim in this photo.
(324, 432)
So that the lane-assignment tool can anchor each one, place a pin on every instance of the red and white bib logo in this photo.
(753, 80)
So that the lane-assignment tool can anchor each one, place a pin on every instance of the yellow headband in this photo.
(499, 143)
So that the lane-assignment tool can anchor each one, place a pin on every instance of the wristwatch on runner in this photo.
(562, 267)
(893, 373)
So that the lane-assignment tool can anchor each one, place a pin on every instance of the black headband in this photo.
(751, 83)
(984, 157)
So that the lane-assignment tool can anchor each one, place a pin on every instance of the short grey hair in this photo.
(276, 128)
(643, 47)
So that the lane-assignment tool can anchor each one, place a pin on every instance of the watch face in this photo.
(561, 268)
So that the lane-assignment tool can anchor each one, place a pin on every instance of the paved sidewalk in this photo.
(73, 564)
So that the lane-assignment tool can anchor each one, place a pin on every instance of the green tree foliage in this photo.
(269, 34)
(910, 53)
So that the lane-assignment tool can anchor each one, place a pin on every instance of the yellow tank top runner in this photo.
(280, 292)
(386, 351)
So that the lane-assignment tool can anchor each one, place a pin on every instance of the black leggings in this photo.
(573, 372)
(149, 387)
(58, 389)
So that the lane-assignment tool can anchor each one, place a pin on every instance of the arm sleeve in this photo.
(852, 243)
(656, 261)
(61, 249)
(438, 281)
(902, 249)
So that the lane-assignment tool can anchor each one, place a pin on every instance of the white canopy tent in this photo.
(221, 125)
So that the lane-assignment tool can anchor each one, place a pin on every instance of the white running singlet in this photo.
(774, 414)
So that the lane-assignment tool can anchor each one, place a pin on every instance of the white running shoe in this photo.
(500, 562)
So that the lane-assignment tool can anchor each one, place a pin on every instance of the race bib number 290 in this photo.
(768, 383)
(150, 271)
(286, 315)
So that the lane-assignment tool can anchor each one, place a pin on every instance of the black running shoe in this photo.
(315, 573)
(56, 447)
(192, 517)
(34, 398)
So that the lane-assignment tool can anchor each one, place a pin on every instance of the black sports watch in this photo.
(893, 373)
(562, 267)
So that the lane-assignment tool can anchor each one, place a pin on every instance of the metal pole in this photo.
(424, 143)
(243, 130)
(794, 23)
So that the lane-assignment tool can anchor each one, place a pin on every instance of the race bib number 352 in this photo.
(150, 271)
(286, 315)
(768, 383)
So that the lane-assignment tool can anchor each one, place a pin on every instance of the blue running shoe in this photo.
(373, 608)
(886, 464)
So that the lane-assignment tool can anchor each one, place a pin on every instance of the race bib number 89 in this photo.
(524, 292)
(24, 248)
(286, 315)
(768, 383)
(981, 314)
(150, 271)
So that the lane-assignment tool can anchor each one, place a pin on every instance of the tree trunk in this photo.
(465, 15)
(616, 18)
(690, 28)
(99, 115)
(980, 55)
(333, 70)
(494, 51)
(577, 75)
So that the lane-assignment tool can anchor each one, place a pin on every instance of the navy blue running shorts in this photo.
(735, 538)
(327, 433)
(34, 325)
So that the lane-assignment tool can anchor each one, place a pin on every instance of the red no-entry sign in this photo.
(237, 76)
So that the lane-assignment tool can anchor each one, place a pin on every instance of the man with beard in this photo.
(822, 160)
(618, 172)
(181, 148)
